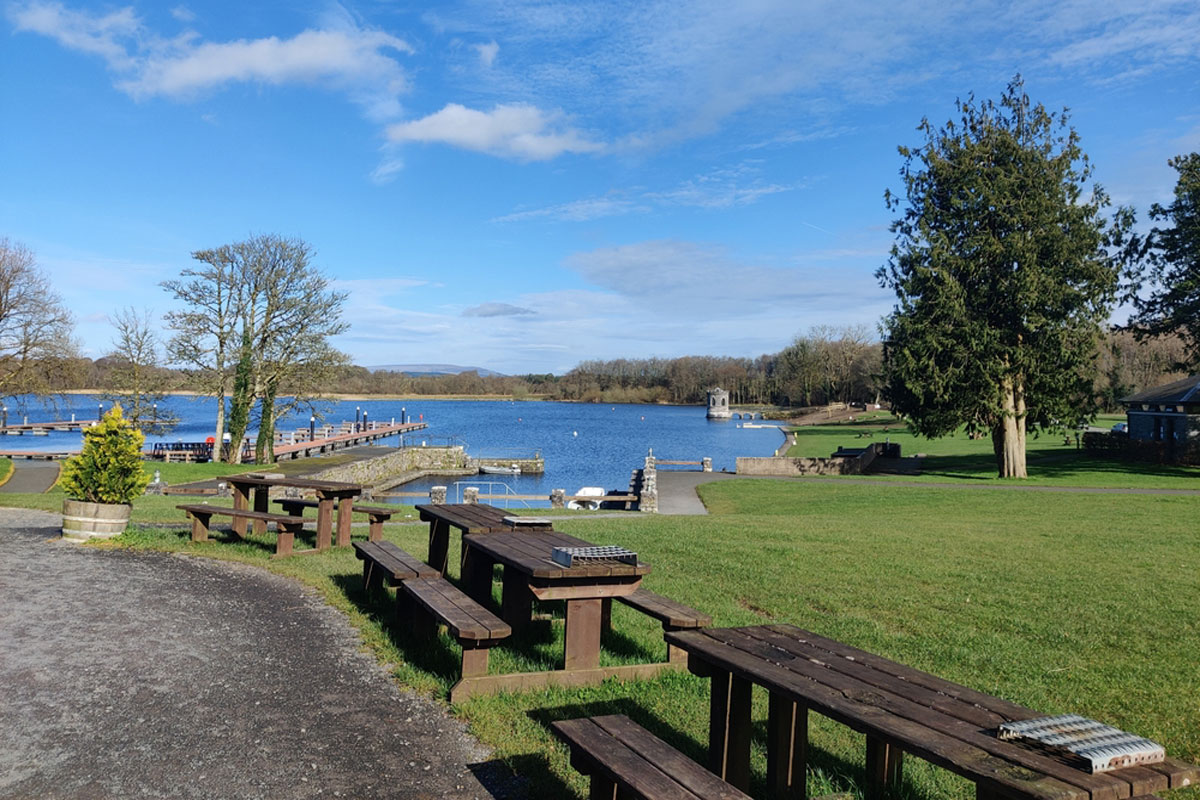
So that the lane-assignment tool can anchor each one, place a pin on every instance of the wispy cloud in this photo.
(497, 310)
(519, 131)
(487, 53)
(703, 277)
(724, 187)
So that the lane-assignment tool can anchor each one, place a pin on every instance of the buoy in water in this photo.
(574, 433)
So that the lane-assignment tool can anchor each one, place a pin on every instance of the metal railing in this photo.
(506, 496)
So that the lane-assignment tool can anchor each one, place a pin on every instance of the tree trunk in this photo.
(264, 445)
(219, 438)
(1008, 436)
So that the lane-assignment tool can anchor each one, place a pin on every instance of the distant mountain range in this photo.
(418, 370)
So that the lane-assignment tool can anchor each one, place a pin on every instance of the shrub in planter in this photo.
(103, 479)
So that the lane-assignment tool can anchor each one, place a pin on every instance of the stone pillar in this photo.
(649, 501)
(706, 464)
(471, 495)
(437, 495)
(558, 498)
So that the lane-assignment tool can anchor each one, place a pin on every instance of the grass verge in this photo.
(1082, 603)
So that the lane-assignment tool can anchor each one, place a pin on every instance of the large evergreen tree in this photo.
(1172, 269)
(1002, 275)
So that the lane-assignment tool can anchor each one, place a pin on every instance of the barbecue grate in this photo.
(572, 556)
(1102, 747)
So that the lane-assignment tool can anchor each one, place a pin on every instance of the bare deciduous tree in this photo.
(36, 330)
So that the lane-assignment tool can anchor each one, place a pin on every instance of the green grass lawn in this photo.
(1062, 602)
(1051, 460)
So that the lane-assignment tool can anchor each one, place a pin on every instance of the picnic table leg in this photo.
(285, 535)
(199, 526)
(345, 511)
(516, 601)
(884, 767)
(262, 503)
(602, 788)
(787, 748)
(375, 529)
(729, 729)
(324, 522)
(240, 503)
(582, 648)
(477, 575)
(439, 545)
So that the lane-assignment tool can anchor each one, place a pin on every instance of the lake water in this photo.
(582, 444)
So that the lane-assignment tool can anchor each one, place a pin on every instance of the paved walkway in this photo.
(32, 476)
(152, 675)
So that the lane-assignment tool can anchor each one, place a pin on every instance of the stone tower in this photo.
(718, 404)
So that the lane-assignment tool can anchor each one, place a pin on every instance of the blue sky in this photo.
(524, 185)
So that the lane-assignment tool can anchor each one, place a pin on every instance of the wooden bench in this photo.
(626, 760)
(375, 514)
(286, 527)
(384, 560)
(475, 628)
(673, 616)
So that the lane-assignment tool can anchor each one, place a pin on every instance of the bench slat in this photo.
(465, 618)
(638, 761)
(666, 610)
(248, 514)
(399, 565)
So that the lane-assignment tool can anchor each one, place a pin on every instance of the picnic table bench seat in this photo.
(625, 760)
(475, 628)
(376, 515)
(286, 527)
(674, 616)
(385, 561)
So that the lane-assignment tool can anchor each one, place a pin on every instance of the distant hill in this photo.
(419, 370)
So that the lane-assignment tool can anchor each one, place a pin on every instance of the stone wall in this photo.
(793, 467)
(386, 470)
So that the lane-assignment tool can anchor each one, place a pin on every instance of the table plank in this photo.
(529, 552)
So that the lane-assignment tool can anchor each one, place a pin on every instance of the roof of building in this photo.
(1181, 391)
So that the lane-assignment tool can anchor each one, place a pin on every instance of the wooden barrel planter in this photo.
(83, 521)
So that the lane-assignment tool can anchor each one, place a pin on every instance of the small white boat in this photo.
(585, 503)
(489, 469)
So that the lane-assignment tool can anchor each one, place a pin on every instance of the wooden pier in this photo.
(43, 428)
(339, 441)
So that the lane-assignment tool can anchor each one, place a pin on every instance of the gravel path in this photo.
(151, 675)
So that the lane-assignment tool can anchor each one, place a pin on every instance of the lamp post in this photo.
(312, 427)
(4, 411)
(357, 411)
(99, 411)
(364, 423)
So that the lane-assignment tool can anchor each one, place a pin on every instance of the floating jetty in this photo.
(338, 441)
(44, 428)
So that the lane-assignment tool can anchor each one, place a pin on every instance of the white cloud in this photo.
(343, 56)
(183, 14)
(100, 35)
(487, 53)
(519, 131)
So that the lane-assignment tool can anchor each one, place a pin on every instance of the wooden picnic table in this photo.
(531, 572)
(327, 492)
(468, 518)
(900, 709)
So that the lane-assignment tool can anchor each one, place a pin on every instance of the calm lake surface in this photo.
(582, 444)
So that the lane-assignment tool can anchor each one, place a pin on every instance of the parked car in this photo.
(1120, 427)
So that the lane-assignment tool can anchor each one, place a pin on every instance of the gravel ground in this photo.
(152, 675)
